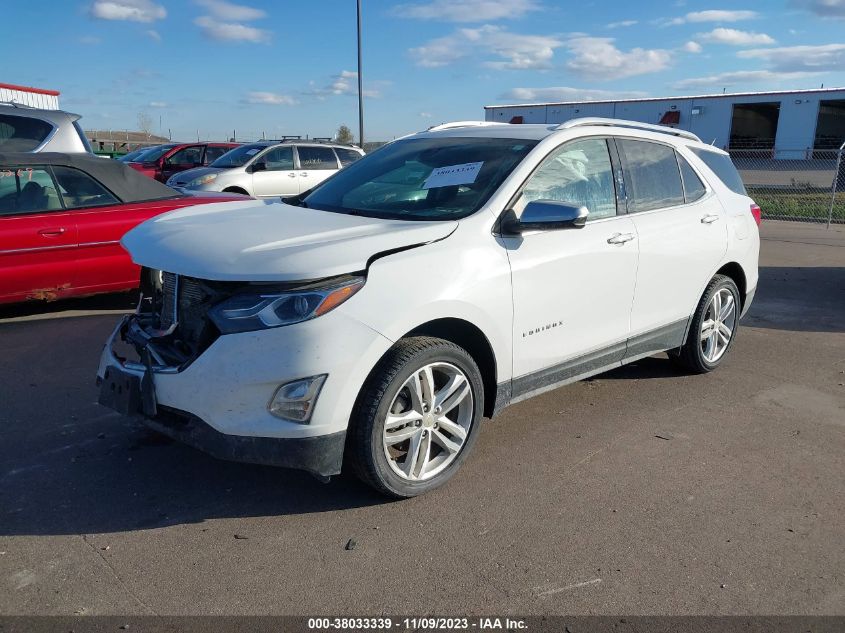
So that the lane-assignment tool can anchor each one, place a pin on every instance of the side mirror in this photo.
(260, 166)
(545, 215)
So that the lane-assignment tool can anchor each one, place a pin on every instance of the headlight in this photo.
(202, 180)
(259, 311)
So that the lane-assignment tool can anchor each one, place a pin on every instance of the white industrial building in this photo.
(28, 96)
(792, 123)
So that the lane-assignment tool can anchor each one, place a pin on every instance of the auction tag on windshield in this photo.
(451, 175)
(252, 152)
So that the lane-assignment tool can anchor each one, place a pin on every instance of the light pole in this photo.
(360, 85)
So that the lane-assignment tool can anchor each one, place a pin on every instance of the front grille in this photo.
(169, 289)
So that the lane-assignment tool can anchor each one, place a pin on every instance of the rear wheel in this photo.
(417, 417)
(713, 327)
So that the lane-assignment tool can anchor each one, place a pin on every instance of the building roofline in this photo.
(678, 98)
(40, 91)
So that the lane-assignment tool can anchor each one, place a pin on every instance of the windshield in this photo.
(239, 156)
(131, 156)
(422, 179)
(153, 154)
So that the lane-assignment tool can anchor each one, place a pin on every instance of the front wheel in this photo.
(416, 418)
(713, 327)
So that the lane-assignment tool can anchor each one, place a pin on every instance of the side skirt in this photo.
(660, 340)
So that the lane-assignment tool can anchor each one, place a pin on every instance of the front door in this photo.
(37, 237)
(572, 288)
(682, 232)
(273, 173)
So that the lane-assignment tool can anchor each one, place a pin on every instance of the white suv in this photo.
(269, 168)
(451, 273)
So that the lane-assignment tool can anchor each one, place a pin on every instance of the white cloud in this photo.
(741, 78)
(598, 58)
(714, 15)
(131, 10)
(158, 104)
(516, 51)
(823, 58)
(230, 31)
(153, 35)
(229, 11)
(823, 8)
(566, 93)
(466, 10)
(692, 47)
(346, 83)
(269, 98)
(735, 37)
(622, 23)
(426, 115)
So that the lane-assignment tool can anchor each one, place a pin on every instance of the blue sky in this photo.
(284, 67)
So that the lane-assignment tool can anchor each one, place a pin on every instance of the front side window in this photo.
(580, 173)
(79, 190)
(22, 133)
(346, 156)
(186, 156)
(278, 159)
(316, 158)
(693, 187)
(239, 156)
(652, 176)
(213, 152)
(27, 190)
(422, 178)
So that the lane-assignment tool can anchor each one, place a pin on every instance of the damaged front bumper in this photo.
(129, 386)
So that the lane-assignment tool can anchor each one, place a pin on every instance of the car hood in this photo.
(189, 174)
(262, 240)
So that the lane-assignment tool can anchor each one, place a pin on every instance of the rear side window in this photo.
(346, 156)
(27, 190)
(316, 158)
(693, 187)
(79, 190)
(723, 167)
(652, 176)
(22, 134)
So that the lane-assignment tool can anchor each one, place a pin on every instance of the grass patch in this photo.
(812, 205)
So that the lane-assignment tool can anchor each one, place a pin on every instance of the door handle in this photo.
(303, 173)
(709, 218)
(620, 238)
(52, 232)
(291, 175)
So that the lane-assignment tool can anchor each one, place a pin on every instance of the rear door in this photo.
(682, 235)
(315, 165)
(273, 173)
(37, 237)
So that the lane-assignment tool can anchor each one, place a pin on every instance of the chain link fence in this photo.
(797, 185)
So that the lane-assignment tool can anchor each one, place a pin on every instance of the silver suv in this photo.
(25, 129)
(270, 168)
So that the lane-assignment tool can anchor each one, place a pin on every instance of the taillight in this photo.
(757, 213)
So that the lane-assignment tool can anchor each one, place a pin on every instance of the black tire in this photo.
(364, 447)
(235, 190)
(691, 356)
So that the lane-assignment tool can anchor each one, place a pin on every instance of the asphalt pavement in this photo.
(642, 491)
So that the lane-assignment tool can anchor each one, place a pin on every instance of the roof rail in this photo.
(454, 124)
(634, 125)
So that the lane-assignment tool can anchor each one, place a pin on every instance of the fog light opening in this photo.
(295, 401)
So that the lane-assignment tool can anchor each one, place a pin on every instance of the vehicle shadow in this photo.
(112, 302)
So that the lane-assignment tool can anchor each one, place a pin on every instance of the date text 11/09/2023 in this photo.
(416, 624)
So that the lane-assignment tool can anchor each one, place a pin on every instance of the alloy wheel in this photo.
(718, 325)
(428, 421)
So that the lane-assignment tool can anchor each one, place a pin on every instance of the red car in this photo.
(61, 220)
(164, 161)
